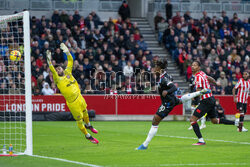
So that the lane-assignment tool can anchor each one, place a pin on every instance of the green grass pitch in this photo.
(118, 141)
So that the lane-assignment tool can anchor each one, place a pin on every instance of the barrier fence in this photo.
(196, 7)
(113, 5)
(105, 104)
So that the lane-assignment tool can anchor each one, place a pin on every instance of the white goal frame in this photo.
(27, 66)
(28, 92)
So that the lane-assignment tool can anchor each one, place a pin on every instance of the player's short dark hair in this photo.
(199, 63)
(162, 63)
(57, 65)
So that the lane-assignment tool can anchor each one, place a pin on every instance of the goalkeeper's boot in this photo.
(199, 144)
(92, 140)
(141, 147)
(91, 128)
(205, 91)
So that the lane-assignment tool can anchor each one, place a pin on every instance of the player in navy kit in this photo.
(166, 89)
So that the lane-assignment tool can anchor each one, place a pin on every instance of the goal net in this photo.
(15, 85)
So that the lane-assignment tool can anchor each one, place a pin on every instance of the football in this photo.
(15, 55)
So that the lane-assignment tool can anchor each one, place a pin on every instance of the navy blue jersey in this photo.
(166, 83)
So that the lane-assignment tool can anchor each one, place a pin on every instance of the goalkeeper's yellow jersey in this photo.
(67, 84)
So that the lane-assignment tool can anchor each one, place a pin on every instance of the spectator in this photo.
(222, 80)
(219, 109)
(142, 44)
(182, 57)
(229, 88)
(128, 70)
(169, 10)
(238, 73)
(212, 55)
(177, 18)
(55, 17)
(3, 88)
(187, 16)
(13, 90)
(96, 18)
(157, 19)
(64, 17)
(90, 23)
(162, 26)
(76, 16)
(40, 61)
(124, 11)
(46, 89)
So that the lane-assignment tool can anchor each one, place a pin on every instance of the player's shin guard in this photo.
(151, 134)
(225, 121)
(189, 96)
(196, 129)
(81, 127)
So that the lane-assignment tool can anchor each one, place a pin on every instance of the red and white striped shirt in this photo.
(244, 89)
(201, 81)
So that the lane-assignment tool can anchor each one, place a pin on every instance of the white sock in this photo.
(201, 140)
(203, 121)
(88, 124)
(88, 135)
(189, 96)
(151, 134)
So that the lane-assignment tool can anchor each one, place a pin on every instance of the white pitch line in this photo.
(65, 160)
(182, 137)
(209, 164)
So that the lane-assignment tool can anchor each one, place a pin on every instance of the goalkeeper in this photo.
(69, 88)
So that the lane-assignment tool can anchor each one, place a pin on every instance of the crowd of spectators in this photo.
(110, 57)
(221, 44)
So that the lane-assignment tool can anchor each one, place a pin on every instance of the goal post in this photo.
(28, 92)
(15, 85)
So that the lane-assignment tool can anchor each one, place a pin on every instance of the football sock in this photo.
(151, 134)
(196, 129)
(203, 120)
(86, 117)
(201, 140)
(189, 96)
(88, 135)
(241, 117)
(81, 127)
(226, 122)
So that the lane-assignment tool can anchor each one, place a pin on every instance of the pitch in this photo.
(171, 147)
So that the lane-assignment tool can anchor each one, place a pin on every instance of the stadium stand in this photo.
(113, 57)
(221, 44)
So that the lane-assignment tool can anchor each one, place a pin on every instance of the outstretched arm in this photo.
(211, 80)
(69, 57)
(55, 75)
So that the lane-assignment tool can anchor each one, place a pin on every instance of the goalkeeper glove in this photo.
(64, 48)
(48, 53)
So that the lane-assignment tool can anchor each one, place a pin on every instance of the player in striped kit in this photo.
(207, 103)
(243, 87)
